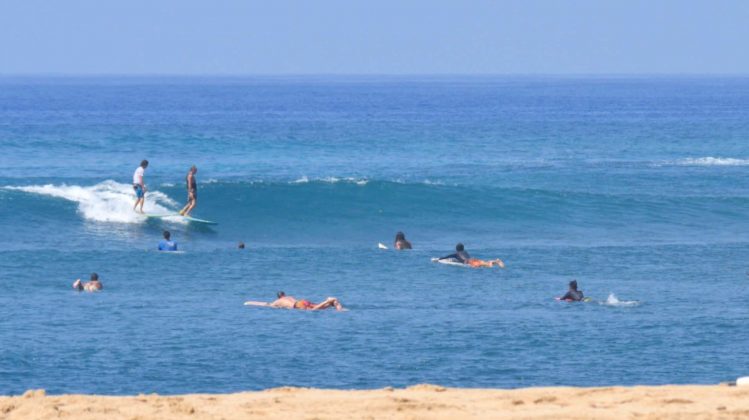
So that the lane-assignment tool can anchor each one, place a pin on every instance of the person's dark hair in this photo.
(573, 285)
(193, 168)
(459, 247)
(144, 163)
(400, 236)
(241, 245)
(94, 277)
(280, 294)
(167, 235)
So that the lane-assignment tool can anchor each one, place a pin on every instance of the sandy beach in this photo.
(420, 401)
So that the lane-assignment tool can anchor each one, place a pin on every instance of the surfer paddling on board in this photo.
(290, 302)
(192, 191)
(93, 285)
(139, 186)
(401, 242)
(573, 295)
(461, 256)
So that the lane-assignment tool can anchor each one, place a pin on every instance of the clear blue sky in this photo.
(373, 37)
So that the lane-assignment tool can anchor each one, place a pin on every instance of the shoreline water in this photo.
(419, 401)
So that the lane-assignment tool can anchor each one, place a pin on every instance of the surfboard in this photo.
(585, 299)
(196, 220)
(256, 303)
(381, 246)
(448, 262)
(160, 216)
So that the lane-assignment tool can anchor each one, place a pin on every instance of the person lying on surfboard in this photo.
(463, 257)
(192, 191)
(573, 295)
(401, 242)
(93, 285)
(290, 302)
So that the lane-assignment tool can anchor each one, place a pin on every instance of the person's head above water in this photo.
(459, 247)
(167, 235)
(280, 294)
(193, 169)
(400, 236)
(573, 285)
(94, 277)
(241, 245)
(144, 163)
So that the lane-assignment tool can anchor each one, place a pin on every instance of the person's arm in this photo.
(450, 257)
(566, 296)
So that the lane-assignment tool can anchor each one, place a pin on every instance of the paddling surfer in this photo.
(400, 241)
(461, 256)
(573, 295)
(290, 302)
(93, 285)
(139, 186)
(192, 191)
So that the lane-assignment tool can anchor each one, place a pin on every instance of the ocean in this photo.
(635, 186)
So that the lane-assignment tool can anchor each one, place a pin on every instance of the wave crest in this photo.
(108, 201)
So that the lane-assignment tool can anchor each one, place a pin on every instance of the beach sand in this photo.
(416, 402)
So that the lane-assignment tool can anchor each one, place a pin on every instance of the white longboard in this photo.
(448, 262)
(256, 303)
(195, 220)
(179, 216)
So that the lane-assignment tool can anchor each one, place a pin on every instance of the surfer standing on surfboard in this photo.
(192, 191)
(138, 186)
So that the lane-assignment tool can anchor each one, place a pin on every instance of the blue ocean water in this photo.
(635, 186)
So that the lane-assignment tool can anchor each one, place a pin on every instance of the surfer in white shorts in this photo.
(138, 186)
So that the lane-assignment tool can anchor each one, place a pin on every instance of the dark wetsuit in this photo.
(460, 256)
(576, 295)
(192, 186)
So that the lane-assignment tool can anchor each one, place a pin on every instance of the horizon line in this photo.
(270, 75)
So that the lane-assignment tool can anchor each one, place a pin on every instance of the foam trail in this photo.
(712, 161)
(612, 300)
(107, 201)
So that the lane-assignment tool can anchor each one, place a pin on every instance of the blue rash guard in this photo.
(167, 246)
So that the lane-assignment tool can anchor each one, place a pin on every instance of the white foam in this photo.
(107, 201)
(332, 180)
(612, 300)
(712, 161)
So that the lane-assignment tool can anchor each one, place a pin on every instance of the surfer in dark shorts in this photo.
(289, 302)
(192, 191)
(461, 256)
(573, 295)
(401, 242)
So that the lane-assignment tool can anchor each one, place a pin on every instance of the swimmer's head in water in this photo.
(241, 245)
(280, 294)
(144, 163)
(94, 277)
(167, 235)
(459, 247)
(573, 285)
(400, 236)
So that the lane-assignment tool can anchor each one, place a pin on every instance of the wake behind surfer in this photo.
(139, 186)
(192, 191)
(462, 256)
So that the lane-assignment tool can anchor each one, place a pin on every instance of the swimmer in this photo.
(192, 191)
(167, 244)
(289, 302)
(401, 242)
(139, 186)
(573, 295)
(93, 285)
(463, 257)
(241, 245)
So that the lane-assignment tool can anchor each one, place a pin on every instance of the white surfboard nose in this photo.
(742, 381)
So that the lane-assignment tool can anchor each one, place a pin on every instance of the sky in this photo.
(292, 37)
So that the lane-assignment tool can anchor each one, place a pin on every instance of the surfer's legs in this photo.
(188, 207)
(475, 262)
(328, 303)
(140, 202)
